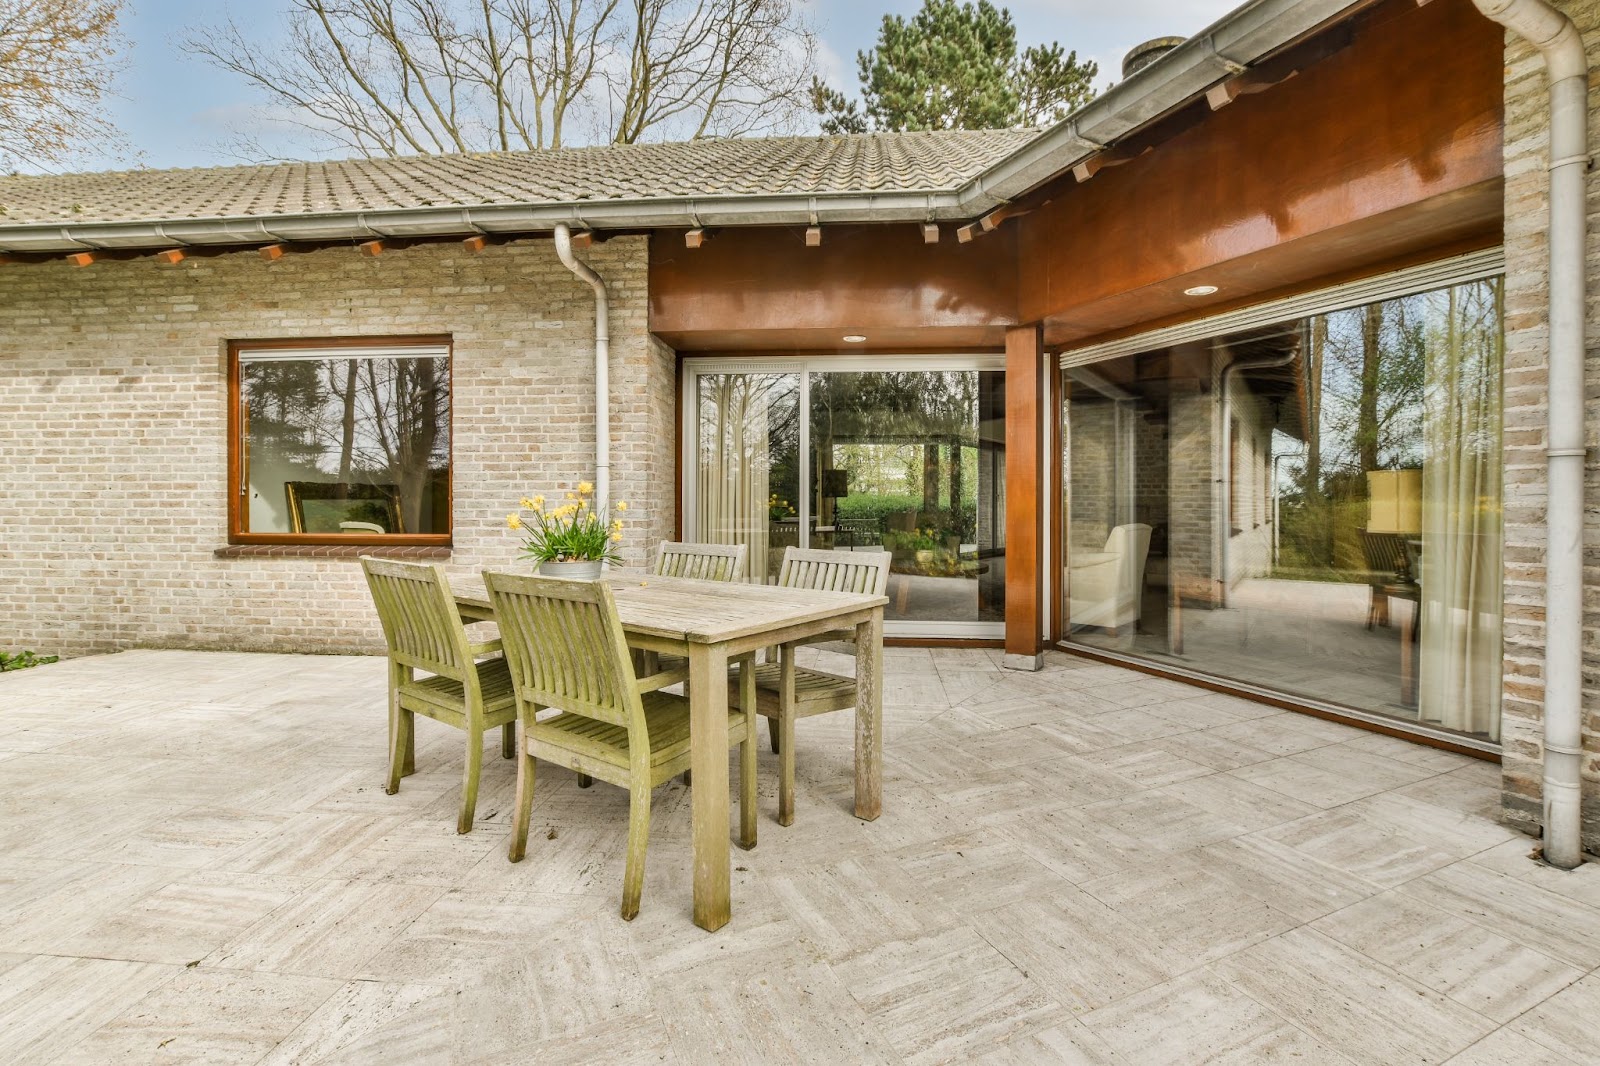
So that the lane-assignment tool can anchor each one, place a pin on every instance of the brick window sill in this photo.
(333, 551)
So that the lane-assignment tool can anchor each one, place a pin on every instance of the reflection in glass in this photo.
(1312, 507)
(356, 445)
(909, 462)
(747, 471)
(914, 463)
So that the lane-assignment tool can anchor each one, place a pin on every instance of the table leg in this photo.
(869, 717)
(708, 760)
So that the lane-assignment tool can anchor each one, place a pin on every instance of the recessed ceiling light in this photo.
(853, 338)
(1200, 290)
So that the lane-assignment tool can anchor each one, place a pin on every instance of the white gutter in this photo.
(1239, 39)
(1567, 68)
(602, 368)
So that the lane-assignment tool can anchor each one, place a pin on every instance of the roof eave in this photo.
(1233, 43)
(430, 222)
(1239, 39)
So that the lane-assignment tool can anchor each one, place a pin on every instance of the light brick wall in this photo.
(113, 417)
(1526, 216)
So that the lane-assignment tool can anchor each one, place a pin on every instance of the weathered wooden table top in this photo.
(703, 612)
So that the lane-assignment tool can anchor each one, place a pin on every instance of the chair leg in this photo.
(403, 747)
(688, 778)
(747, 757)
(469, 780)
(524, 806)
(508, 740)
(785, 722)
(584, 780)
(638, 837)
(772, 731)
(747, 789)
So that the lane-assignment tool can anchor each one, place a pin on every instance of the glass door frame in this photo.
(691, 367)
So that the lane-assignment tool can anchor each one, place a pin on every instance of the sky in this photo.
(177, 111)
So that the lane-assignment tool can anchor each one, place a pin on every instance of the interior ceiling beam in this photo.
(694, 238)
(813, 236)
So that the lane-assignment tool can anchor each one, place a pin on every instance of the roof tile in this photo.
(920, 162)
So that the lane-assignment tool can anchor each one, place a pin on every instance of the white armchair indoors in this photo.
(1105, 588)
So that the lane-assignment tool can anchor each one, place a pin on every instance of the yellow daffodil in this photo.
(585, 487)
(617, 536)
(525, 503)
(538, 502)
(622, 505)
(514, 521)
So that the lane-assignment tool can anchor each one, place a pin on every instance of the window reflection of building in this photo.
(1323, 502)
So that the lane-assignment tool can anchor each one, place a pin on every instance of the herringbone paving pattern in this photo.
(198, 864)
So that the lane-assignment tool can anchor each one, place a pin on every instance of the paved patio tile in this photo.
(1473, 966)
(215, 1017)
(1504, 1047)
(1565, 1022)
(50, 1002)
(1353, 1004)
(1203, 1019)
(1082, 865)
(945, 996)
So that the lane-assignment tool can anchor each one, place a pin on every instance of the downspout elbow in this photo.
(602, 363)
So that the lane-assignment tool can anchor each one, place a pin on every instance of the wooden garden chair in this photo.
(425, 632)
(704, 562)
(566, 650)
(784, 691)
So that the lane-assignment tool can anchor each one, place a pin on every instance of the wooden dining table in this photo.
(714, 623)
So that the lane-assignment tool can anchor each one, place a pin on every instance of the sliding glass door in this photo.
(1311, 506)
(904, 455)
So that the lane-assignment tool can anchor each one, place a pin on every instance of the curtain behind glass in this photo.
(1461, 512)
(732, 490)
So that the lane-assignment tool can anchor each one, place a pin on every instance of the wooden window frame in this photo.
(237, 511)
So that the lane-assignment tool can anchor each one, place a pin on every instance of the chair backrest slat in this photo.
(835, 571)
(565, 647)
(419, 617)
(706, 562)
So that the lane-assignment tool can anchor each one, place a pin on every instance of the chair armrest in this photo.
(1087, 559)
(488, 647)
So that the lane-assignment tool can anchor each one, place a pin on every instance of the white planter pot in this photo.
(573, 570)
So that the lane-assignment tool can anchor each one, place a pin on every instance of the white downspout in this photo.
(1225, 507)
(602, 366)
(1567, 68)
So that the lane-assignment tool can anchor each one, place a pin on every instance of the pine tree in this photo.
(955, 66)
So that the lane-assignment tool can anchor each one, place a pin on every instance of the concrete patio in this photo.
(198, 864)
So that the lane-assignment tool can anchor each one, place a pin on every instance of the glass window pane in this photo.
(346, 446)
(1312, 507)
(747, 472)
(914, 463)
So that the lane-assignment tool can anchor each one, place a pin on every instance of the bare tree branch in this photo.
(390, 77)
(58, 59)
